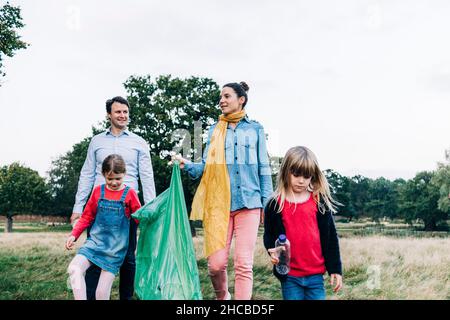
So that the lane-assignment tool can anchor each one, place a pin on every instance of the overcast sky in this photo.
(365, 84)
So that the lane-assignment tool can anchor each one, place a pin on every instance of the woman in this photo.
(235, 186)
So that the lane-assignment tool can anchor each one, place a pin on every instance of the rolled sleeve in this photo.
(195, 170)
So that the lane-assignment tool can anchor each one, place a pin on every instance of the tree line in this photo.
(420, 198)
(163, 105)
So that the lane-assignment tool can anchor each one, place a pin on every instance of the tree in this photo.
(164, 105)
(64, 175)
(340, 190)
(359, 188)
(419, 200)
(382, 199)
(10, 20)
(65, 172)
(398, 185)
(441, 180)
(22, 191)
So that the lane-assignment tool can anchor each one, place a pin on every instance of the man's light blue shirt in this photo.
(134, 151)
(247, 162)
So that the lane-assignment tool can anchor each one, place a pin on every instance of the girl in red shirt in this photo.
(302, 209)
(109, 211)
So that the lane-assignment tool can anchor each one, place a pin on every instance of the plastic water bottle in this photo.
(284, 255)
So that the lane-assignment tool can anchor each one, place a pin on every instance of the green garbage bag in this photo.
(166, 267)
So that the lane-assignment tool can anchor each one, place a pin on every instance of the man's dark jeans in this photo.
(127, 270)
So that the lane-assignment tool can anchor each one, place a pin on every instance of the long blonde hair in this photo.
(301, 161)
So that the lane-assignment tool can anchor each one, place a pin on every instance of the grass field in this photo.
(33, 265)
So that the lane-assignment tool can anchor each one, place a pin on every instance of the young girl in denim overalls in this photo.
(108, 210)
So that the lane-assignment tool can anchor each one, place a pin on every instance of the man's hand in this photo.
(70, 242)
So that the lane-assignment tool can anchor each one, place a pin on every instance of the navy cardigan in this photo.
(273, 227)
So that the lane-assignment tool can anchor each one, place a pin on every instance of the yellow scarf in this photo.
(212, 200)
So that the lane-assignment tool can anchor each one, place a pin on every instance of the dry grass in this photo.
(375, 267)
(380, 267)
(53, 241)
(390, 268)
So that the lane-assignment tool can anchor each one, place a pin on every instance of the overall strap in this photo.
(102, 195)
(124, 194)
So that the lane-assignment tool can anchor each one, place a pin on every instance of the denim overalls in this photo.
(107, 243)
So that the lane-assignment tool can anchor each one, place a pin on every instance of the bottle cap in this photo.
(282, 238)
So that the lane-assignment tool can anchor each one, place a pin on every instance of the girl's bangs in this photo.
(303, 167)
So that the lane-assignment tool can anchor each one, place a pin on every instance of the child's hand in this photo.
(338, 278)
(70, 243)
(274, 254)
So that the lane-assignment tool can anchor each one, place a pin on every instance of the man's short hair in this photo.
(118, 99)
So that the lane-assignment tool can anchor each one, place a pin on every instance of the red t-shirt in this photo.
(132, 204)
(302, 230)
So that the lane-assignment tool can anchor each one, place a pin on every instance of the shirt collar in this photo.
(126, 131)
(246, 119)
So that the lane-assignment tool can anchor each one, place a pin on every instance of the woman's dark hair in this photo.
(113, 163)
(118, 99)
(240, 88)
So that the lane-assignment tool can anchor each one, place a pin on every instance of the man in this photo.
(135, 151)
